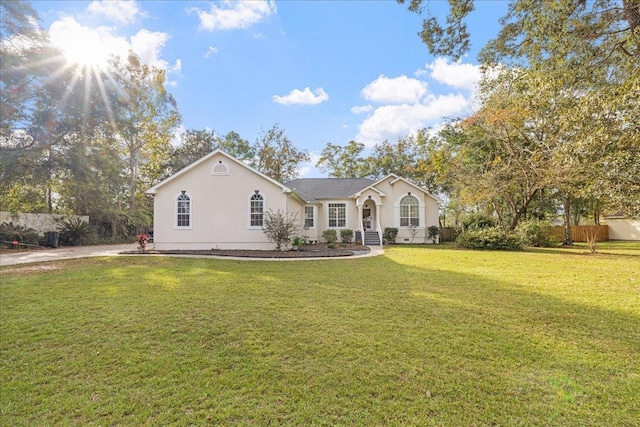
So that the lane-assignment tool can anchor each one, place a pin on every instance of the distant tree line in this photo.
(557, 128)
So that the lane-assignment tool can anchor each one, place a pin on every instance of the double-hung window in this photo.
(337, 215)
(309, 218)
(409, 212)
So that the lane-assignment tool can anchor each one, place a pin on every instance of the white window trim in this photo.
(175, 212)
(225, 172)
(346, 214)
(264, 211)
(396, 213)
(315, 216)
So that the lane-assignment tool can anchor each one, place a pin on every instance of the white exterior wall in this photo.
(219, 208)
(322, 220)
(429, 214)
(624, 229)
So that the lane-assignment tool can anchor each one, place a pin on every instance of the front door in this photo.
(367, 217)
(367, 220)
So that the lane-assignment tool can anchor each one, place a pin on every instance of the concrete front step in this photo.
(372, 238)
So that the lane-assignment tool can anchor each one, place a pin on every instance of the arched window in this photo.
(409, 212)
(183, 211)
(256, 210)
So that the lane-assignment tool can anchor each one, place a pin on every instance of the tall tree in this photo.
(193, 145)
(343, 161)
(590, 23)
(24, 70)
(24, 64)
(277, 157)
(239, 148)
(45, 107)
(501, 155)
(451, 38)
(588, 55)
(145, 117)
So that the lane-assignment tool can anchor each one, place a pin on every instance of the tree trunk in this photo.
(132, 186)
(566, 203)
(49, 198)
(521, 210)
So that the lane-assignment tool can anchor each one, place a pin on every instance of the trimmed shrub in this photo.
(478, 220)
(346, 235)
(494, 238)
(390, 234)
(331, 236)
(536, 233)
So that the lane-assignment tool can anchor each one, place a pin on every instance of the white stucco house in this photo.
(220, 202)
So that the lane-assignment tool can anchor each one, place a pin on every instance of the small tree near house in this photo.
(280, 228)
(433, 231)
(413, 230)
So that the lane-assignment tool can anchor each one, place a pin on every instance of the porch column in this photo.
(378, 218)
(360, 219)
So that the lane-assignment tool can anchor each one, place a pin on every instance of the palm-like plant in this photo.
(75, 231)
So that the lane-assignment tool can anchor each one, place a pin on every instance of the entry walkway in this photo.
(44, 255)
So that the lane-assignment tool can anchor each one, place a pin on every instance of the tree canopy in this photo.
(576, 63)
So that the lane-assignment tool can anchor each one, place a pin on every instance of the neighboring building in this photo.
(220, 202)
(623, 228)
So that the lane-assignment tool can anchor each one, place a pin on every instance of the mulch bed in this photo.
(311, 251)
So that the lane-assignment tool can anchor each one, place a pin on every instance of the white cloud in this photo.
(148, 45)
(395, 90)
(392, 121)
(361, 109)
(302, 97)
(309, 169)
(233, 15)
(456, 74)
(212, 50)
(76, 39)
(122, 12)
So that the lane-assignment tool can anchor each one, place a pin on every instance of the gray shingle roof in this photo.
(312, 189)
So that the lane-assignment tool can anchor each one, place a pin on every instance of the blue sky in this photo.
(325, 71)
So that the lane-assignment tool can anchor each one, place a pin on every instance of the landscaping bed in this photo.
(308, 251)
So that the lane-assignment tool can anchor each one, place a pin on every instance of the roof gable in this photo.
(395, 178)
(154, 189)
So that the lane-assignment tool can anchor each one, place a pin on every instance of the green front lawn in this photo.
(420, 336)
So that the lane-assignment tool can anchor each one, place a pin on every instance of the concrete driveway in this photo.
(42, 255)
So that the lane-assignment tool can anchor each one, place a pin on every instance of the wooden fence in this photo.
(579, 233)
(448, 234)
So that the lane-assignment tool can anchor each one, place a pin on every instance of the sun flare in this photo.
(84, 52)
